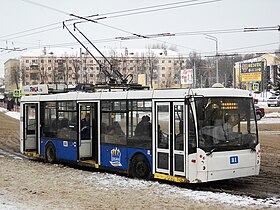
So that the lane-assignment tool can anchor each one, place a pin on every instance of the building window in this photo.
(42, 68)
(49, 61)
(162, 61)
(131, 68)
(163, 75)
(34, 76)
(42, 61)
(26, 61)
(49, 68)
(169, 61)
(26, 68)
(69, 68)
(163, 68)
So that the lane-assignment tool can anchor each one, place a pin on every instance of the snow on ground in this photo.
(169, 190)
(269, 120)
(15, 115)
(105, 180)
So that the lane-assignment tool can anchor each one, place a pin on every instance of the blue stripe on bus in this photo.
(118, 156)
(65, 150)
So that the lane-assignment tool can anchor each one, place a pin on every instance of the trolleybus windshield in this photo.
(226, 123)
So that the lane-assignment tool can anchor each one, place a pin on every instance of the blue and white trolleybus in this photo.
(181, 135)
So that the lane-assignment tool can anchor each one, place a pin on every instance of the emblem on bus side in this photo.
(116, 157)
(233, 159)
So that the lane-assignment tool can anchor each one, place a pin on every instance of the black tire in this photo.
(258, 116)
(50, 153)
(140, 167)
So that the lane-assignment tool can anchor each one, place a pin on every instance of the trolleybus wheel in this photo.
(140, 167)
(50, 154)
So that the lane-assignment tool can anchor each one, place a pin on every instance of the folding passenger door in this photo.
(88, 131)
(30, 127)
(170, 138)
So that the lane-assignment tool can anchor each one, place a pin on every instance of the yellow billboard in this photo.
(253, 76)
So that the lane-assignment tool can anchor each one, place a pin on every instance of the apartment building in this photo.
(12, 75)
(154, 67)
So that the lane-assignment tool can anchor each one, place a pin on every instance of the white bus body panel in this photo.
(218, 166)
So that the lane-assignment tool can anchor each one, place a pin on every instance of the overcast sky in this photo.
(200, 15)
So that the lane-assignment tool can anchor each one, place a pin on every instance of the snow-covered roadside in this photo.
(107, 189)
(169, 190)
(15, 115)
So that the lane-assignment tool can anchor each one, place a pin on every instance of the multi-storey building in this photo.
(12, 75)
(154, 67)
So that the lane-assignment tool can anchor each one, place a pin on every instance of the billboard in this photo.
(252, 71)
(187, 76)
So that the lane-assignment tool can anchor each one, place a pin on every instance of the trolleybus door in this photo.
(170, 140)
(31, 127)
(178, 139)
(87, 133)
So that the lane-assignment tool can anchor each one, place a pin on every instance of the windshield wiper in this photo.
(253, 149)
(211, 151)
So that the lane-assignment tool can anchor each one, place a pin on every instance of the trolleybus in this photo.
(181, 135)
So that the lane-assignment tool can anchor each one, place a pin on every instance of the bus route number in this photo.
(233, 159)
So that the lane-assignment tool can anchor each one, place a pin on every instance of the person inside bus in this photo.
(63, 131)
(85, 127)
(144, 127)
(115, 129)
(223, 129)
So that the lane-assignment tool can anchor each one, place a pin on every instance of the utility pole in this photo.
(194, 75)
(213, 38)
(81, 66)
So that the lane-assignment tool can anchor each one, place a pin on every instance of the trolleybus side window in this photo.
(60, 122)
(67, 120)
(49, 127)
(113, 122)
(140, 124)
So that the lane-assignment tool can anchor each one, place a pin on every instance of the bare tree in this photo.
(76, 68)
(151, 64)
(15, 76)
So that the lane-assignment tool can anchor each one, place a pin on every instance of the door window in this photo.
(163, 126)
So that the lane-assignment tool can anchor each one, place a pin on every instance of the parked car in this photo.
(259, 112)
(274, 101)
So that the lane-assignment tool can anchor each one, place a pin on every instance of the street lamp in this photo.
(213, 38)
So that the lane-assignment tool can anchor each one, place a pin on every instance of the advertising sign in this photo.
(35, 89)
(251, 71)
(187, 76)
